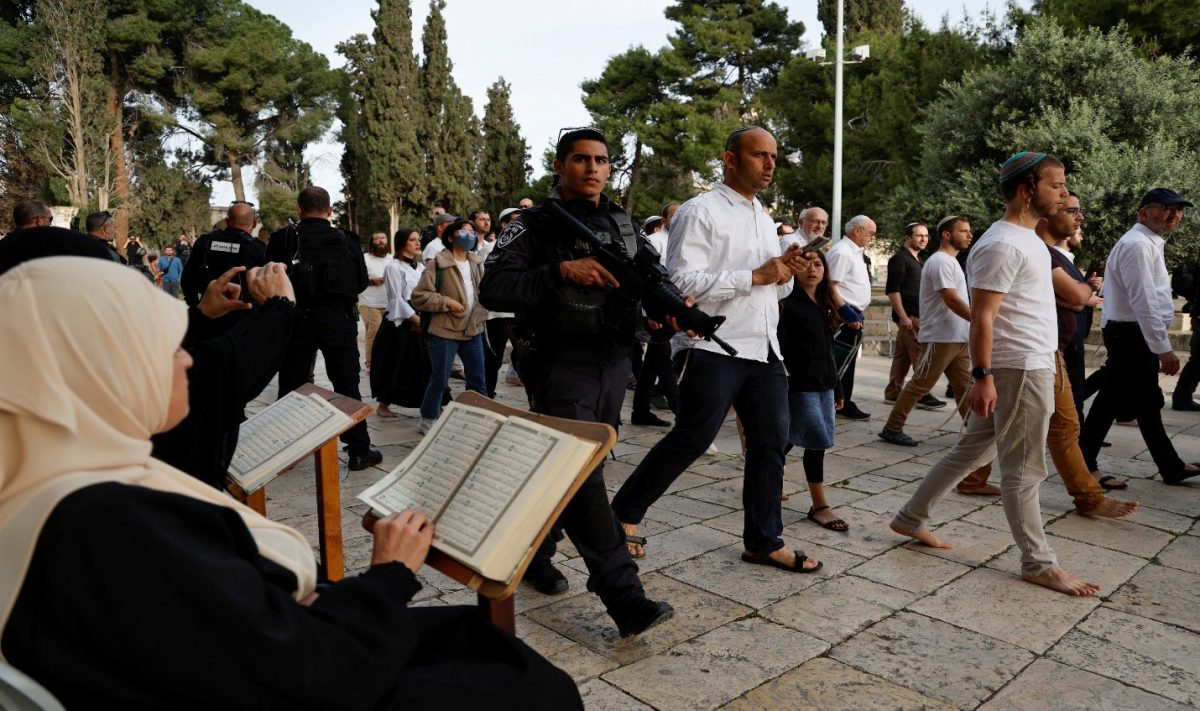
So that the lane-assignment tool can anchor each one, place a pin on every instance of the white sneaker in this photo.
(712, 449)
(425, 425)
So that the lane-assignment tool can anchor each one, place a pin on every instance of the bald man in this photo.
(217, 252)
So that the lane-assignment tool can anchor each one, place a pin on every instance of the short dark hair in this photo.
(475, 213)
(1072, 193)
(567, 140)
(1028, 178)
(26, 212)
(313, 199)
(908, 229)
(96, 220)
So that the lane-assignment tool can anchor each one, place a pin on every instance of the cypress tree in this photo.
(446, 132)
(396, 179)
(504, 158)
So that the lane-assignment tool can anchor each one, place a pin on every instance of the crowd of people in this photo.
(113, 467)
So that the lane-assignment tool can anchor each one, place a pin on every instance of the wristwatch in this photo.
(978, 372)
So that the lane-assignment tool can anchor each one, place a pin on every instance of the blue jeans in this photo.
(708, 385)
(441, 356)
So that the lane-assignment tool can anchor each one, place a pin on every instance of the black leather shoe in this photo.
(851, 412)
(648, 419)
(930, 402)
(641, 616)
(358, 462)
(897, 438)
(546, 578)
(1186, 406)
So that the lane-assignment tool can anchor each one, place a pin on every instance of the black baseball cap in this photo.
(1163, 196)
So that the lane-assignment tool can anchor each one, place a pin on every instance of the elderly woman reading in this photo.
(126, 583)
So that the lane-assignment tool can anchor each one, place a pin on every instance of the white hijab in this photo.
(86, 368)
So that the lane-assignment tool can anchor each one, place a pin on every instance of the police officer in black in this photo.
(220, 251)
(328, 273)
(573, 335)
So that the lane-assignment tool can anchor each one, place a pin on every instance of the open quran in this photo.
(273, 439)
(489, 483)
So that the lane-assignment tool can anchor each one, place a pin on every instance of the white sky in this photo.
(543, 49)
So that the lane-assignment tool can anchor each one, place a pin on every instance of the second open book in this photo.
(487, 481)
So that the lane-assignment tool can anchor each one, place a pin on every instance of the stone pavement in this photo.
(886, 624)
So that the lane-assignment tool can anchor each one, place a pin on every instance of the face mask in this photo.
(465, 240)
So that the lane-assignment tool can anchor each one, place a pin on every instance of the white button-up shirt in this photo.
(849, 271)
(1137, 288)
(717, 240)
(400, 280)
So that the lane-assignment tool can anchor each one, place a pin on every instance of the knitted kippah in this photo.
(1019, 163)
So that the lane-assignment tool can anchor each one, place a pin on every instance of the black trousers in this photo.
(495, 341)
(333, 331)
(592, 393)
(1130, 385)
(656, 367)
(848, 376)
(1073, 358)
(1189, 377)
(708, 384)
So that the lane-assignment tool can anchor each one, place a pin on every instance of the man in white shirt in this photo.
(373, 301)
(945, 329)
(441, 221)
(1138, 311)
(813, 223)
(848, 272)
(1013, 339)
(723, 250)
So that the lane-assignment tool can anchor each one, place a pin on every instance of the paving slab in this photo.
(868, 535)
(870, 483)
(1114, 534)
(1182, 554)
(1154, 518)
(1163, 594)
(583, 619)
(949, 663)
(734, 522)
(837, 608)
(1133, 650)
(992, 516)
(908, 570)
(1052, 686)
(599, 695)
(973, 544)
(723, 572)
(708, 671)
(1007, 608)
(566, 654)
(823, 683)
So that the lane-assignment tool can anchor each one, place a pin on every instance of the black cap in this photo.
(1163, 196)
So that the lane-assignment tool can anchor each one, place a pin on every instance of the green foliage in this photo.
(448, 131)
(249, 81)
(504, 160)
(1121, 122)
(884, 99)
(394, 165)
(171, 196)
(858, 16)
(1158, 26)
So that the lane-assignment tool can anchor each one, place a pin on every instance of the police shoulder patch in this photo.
(510, 234)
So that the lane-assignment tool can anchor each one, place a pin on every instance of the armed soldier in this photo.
(220, 251)
(574, 324)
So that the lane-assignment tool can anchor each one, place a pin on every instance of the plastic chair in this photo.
(18, 692)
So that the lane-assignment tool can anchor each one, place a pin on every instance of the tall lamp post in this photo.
(859, 53)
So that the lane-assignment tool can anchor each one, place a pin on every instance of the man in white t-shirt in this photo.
(1013, 339)
(848, 272)
(372, 302)
(440, 222)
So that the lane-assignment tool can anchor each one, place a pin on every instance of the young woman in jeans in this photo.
(449, 292)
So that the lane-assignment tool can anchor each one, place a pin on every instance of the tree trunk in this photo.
(635, 172)
(116, 113)
(235, 174)
(394, 217)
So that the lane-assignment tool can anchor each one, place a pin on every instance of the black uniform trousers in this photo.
(590, 386)
(333, 331)
(497, 330)
(656, 368)
(1130, 385)
(1189, 377)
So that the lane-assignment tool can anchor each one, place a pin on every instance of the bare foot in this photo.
(384, 411)
(787, 556)
(635, 549)
(783, 497)
(1058, 579)
(1109, 508)
(923, 536)
(981, 490)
